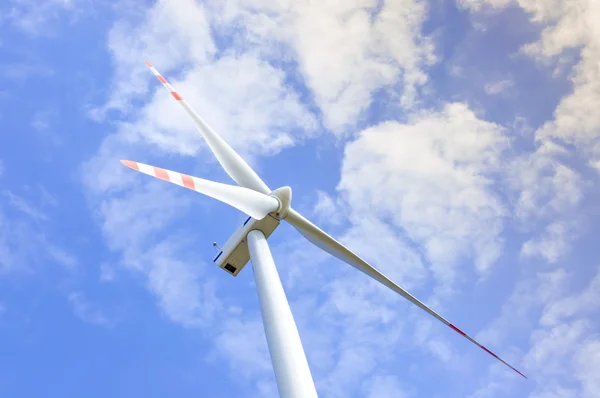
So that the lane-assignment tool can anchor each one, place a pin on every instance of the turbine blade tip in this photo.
(131, 164)
(149, 64)
(527, 378)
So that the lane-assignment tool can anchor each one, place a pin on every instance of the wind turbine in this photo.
(266, 208)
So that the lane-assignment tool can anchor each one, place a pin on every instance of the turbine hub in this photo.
(284, 197)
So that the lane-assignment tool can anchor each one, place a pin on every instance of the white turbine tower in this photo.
(266, 209)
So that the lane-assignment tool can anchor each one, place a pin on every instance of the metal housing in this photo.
(235, 255)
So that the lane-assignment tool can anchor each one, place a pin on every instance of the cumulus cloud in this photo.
(244, 99)
(129, 223)
(551, 189)
(346, 50)
(566, 26)
(327, 210)
(431, 178)
(249, 355)
(557, 315)
(582, 303)
(182, 24)
(422, 195)
(241, 96)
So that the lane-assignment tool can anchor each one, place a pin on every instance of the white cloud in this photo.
(561, 322)
(182, 24)
(380, 244)
(582, 304)
(552, 346)
(345, 50)
(176, 284)
(168, 264)
(24, 206)
(385, 387)
(550, 189)
(499, 87)
(546, 186)
(528, 296)
(423, 191)
(24, 70)
(562, 356)
(552, 244)
(44, 123)
(60, 255)
(327, 210)
(107, 273)
(567, 26)
(587, 361)
(37, 18)
(548, 202)
(430, 178)
(244, 342)
(24, 243)
(41, 120)
(243, 98)
(349, 324)
(87, 311)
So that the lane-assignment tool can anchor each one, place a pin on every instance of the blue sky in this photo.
(455, 146)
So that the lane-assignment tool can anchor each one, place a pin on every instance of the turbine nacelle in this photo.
(235, 253)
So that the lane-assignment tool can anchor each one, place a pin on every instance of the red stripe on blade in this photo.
(489, 352)
(162, 79)
(161, 173)
(131, 164)
(518, 372)
(188, 182)
(457, 329)
(176, 96)
(148, 63)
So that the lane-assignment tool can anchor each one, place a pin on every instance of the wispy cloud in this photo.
(22, 71)
(36, 18)
(24, 241)
(87, 311)
(25, 207)
(581, 303)
(385, 386)
(41, 120)
(499, 87)
(61, 256)
(107, 273)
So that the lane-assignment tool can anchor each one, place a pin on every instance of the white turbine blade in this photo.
(257, 205)
(233, 163)
(325, 242)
